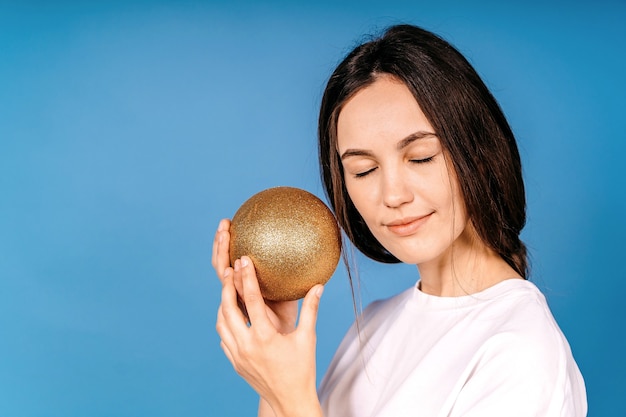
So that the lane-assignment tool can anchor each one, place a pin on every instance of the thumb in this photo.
(310, 307)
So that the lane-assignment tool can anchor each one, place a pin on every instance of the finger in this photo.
(238, 283)
(224, 224)
(230, 270)
(220, 243)
(239, 289)
(252, 297)
(227, 352)
(223, 331)
(310, 307)
(214, 248)
(227, 341)
(222, 257)
(234, 319)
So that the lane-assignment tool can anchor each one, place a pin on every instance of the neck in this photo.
(467, 267)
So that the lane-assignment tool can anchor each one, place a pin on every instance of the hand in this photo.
(280, 367)
(283, 314)
(220, 258)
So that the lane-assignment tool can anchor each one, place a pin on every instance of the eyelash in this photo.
(363, 174)
(422, 161)
(415, 161)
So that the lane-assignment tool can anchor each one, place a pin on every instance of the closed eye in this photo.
(364, 173)
(422, 161)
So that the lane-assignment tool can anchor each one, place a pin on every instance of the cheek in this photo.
(447, 189)
(437, 191)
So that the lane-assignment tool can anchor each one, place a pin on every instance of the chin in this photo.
(414, 256)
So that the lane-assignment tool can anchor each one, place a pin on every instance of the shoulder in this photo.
(526, 316)
(527, 359)
(524, 328)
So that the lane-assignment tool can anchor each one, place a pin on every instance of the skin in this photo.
(399, 179)
(266, 348)
(398, 176)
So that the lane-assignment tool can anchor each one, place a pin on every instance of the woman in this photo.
(420, 166)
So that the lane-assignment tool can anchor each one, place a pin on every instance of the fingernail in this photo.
(319, 290)
(220, 237)
(244, 261)
(237, 265)
(226, 272)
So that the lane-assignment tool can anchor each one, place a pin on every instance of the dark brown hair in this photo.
(465, 116)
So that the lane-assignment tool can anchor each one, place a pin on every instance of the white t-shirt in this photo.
(498, 352)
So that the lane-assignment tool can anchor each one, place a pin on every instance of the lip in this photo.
(407, 226)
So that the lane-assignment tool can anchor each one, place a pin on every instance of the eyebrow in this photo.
(401, 145)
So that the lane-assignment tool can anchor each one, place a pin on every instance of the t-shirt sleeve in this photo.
(514, 375)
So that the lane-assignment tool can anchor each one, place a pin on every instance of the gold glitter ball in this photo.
(292, 238)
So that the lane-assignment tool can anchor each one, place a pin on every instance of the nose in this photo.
(395, 189)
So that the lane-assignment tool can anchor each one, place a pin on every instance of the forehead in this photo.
(384, 110)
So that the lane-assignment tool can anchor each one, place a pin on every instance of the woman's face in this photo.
(396, 173)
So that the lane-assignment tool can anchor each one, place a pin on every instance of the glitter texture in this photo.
(292, 238)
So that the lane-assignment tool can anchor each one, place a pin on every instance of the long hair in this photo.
(465, 116)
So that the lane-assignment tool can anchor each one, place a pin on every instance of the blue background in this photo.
(127, 130)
